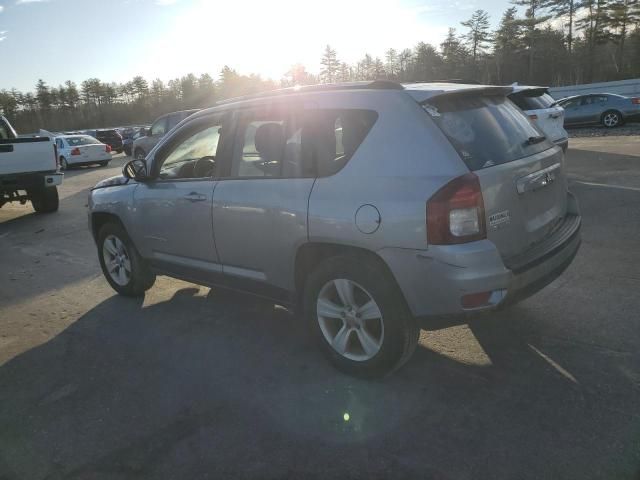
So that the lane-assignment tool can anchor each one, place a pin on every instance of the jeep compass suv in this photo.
(368, 205)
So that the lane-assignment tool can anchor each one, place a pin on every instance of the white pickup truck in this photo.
(29, 170)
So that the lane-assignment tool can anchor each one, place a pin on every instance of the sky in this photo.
(115, 40)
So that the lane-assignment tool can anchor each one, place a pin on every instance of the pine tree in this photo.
(478, 35)
(530, 23)
(330, 65)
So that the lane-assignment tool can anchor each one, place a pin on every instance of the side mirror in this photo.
(135, 169)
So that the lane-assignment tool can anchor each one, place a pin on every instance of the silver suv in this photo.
(370, 206)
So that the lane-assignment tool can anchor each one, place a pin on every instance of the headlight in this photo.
(111, 182)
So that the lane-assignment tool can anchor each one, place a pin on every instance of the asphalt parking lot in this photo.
(199, 383)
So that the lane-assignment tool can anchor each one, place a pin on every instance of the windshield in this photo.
(78, 141)
(486, 130)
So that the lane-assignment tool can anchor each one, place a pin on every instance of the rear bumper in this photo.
(29, 181)
(434, 281)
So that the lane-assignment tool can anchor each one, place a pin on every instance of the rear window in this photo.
(486, 130)
(532, 100)
(107, 134)
(78, 141)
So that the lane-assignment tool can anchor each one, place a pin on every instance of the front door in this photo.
(260, 209)
(173, 212)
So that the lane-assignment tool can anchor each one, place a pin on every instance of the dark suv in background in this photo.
(143, 145)
(109, 137)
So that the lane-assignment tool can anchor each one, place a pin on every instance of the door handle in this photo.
(195, 197)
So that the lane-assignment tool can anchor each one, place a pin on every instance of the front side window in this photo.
(486, 130)
(160, 127)
(194, 156)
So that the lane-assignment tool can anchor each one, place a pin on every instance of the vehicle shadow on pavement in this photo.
(213, 384)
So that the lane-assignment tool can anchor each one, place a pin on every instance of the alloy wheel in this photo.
(611, 119)
(350, 319)
(117, 260)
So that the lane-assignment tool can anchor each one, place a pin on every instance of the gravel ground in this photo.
(625, 130)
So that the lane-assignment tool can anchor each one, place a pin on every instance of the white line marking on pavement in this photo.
(619, 187)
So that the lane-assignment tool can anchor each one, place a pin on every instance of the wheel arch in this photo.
(311, 254)
(613, 110)
(100, 219)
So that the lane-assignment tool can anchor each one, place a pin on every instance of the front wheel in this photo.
(611, 119)
(359, 316)
(45, 200)
(122, 266)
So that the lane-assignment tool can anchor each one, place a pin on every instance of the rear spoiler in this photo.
(423, 96)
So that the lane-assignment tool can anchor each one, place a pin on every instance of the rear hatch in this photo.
(93, 152)
(541, 108)
(520, 171)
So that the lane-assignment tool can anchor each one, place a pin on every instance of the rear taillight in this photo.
(75, 151)
(635, 101)
(108, 148)
(455, 214)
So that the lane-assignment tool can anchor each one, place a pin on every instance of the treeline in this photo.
(553, 42)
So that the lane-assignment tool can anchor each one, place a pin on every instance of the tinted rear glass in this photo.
(108, 134)
(77, 141)
(486, 130)
(532, 100)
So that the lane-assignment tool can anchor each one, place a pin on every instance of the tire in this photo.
(63, 164)
(140, 154)
(611, 119)
(390, 333)
(103, 164)
(127, 151)
(120, 150)
(115, 246)
(45, 200)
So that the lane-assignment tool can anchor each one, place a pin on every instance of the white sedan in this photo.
(81, 150)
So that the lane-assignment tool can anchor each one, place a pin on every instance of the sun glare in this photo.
(269, 37)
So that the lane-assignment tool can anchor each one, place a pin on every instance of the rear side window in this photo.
(486, 130)
(331, 137)
(77, 141)
(532, 100)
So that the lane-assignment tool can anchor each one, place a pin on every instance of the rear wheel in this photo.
(611, 119)
(63, 163)
(122, 265)
(45, 200)
(104, 164)
(120, 150)
(359, 317)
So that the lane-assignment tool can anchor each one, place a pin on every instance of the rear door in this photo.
(260, 208)
(520, 172)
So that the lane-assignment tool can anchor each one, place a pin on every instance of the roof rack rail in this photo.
(366, 85)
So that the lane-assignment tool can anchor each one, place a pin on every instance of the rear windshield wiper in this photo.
(534, 140)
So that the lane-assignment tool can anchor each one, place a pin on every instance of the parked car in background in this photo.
(607, 109)
(110, 137)
(129, 136)
(28, 169)
(76, 150)
(143, 144)
(368, 205)
(543, 110)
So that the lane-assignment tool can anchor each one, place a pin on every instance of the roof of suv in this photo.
(420, 91)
